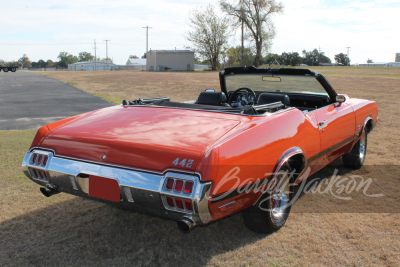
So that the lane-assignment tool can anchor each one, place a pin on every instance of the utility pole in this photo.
(107, 51)
(319, 54)
(95, 55)
(348, 54)
(147, 37)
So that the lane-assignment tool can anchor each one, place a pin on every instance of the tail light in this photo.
(39, 160)
(38, 174)
(179, 185)
(178, 203)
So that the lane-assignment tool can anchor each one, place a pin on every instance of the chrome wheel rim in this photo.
(363, 143)
(280, 196)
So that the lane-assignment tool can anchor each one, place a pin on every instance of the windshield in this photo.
(276, 83)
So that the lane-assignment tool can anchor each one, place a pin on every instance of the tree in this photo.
(234, 55)
(105, 60)
(66, 58)
(209, 34)
(2, 63)
(49, 63)
(312, 58)
(292, 59)
(85, 56)
(257, 16)
(342, 59)
(24, 61)
(133, 57)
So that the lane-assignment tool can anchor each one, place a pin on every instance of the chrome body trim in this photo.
(283, 159)
(359, 134)
(71, 176)
(216, 111)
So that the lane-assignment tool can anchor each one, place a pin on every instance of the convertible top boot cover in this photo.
(149, 138)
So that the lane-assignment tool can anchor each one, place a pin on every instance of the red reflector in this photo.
(34, 158)
(178, 185)
(170, 202)
(45, 158)
(179, 203)
(170, 183)
(45, 175)
(36, 173)
(188, 205)
(188, 187)
(40, 158)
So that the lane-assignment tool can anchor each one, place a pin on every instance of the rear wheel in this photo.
(356, 157)
(5, 69)
(13, 69)
(271, 212)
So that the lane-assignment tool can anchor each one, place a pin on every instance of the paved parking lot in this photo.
(29, 101)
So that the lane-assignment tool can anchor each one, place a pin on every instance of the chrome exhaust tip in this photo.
(185, 225)
(49, 190)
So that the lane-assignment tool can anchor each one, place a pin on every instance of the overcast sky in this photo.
(41, 29)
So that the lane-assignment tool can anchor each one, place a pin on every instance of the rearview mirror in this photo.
(340, 98)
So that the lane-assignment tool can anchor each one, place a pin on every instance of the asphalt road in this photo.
(29, 101)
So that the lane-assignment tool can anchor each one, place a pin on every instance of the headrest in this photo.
(211, 98)
(268, 98)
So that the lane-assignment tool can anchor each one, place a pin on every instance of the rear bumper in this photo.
(141, 191)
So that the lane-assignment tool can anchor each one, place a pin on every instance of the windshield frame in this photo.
(295, 72)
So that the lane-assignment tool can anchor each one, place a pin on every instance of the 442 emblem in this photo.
(184, 163)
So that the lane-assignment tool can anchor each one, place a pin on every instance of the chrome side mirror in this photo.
(340, 98)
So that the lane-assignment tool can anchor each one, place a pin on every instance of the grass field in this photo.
(66, 230)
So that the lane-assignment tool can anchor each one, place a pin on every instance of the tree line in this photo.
(210, 33)
(65, 58)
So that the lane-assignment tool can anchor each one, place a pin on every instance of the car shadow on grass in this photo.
(84, 232)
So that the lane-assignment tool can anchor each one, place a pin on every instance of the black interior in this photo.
(266, 102)
(268, 98)
(212, 98)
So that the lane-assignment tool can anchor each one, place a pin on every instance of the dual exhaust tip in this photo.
(184, 225)
(49, 190)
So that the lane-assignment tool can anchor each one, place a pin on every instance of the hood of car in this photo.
(147, 138)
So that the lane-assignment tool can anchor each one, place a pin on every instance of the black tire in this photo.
(5, 69)
(13, 70)
(261, 217)
(356, 157)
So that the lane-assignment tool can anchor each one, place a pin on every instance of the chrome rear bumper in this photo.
(139, 190)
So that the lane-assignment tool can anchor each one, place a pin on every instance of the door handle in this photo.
(322, 124)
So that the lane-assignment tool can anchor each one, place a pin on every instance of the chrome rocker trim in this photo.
(136, 188)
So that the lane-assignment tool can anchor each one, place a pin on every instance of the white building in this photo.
(135, 64)
(173, 60)
(380, 64)
(90, 66)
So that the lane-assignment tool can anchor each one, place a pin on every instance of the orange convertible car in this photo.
(243, 148)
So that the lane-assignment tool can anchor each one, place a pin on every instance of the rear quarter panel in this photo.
(252, 152)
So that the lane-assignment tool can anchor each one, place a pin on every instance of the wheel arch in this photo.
(296, 159)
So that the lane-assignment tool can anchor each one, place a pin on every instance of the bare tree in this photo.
(257, 16)
(209, 34)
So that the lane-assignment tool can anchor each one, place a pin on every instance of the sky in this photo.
(42, 29)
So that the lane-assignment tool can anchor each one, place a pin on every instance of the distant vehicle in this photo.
(7, 69)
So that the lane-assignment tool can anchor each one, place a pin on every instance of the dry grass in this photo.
(66, 230)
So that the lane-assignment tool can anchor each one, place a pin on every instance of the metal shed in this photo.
(90, 66)
(135, 64)
(173, 60)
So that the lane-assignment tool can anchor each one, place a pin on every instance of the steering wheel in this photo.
(245, 100)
